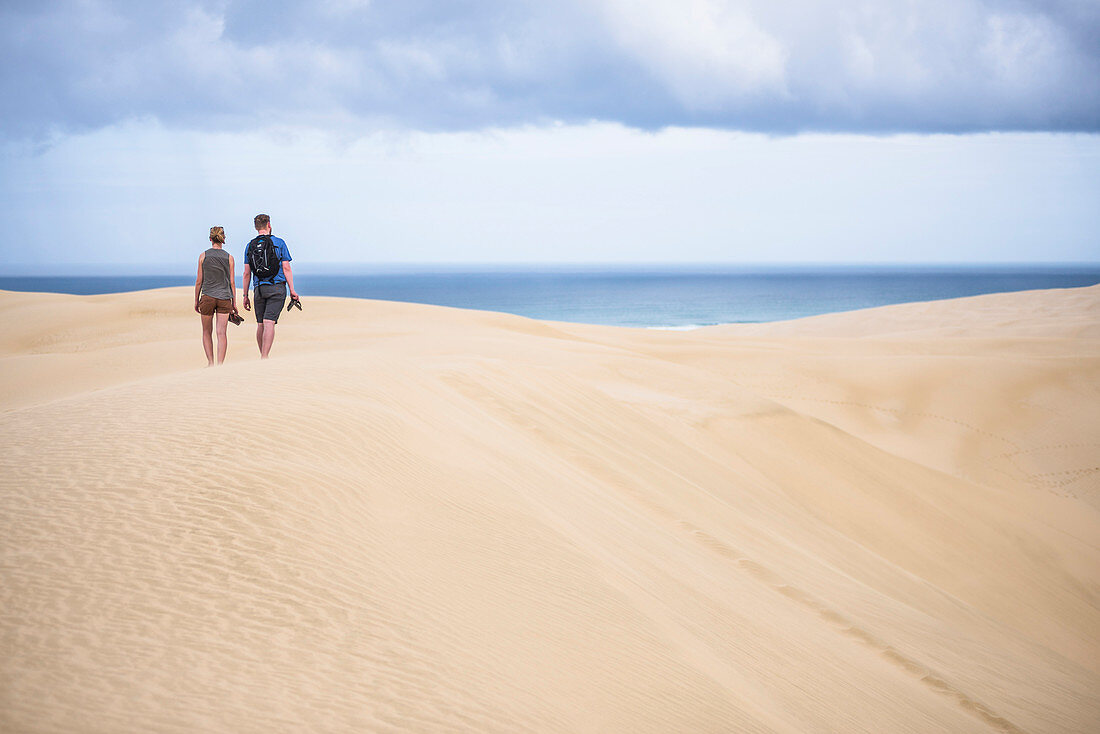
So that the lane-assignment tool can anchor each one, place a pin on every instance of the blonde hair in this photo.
(217, 235)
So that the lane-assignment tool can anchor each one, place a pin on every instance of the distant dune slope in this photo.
(415, 518)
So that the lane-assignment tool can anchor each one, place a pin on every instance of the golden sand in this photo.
(415, 518)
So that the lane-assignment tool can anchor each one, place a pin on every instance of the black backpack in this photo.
(263, 257)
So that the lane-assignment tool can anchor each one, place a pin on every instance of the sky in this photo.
(594, 131)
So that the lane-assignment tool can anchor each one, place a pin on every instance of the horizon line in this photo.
(77, 269)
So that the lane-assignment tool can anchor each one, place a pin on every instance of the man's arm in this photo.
(246, 278)
(198, 282)
(289, 279)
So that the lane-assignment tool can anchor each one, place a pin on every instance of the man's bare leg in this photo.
(223, 341)
(268, 338)
(260, 337)
(207, 337)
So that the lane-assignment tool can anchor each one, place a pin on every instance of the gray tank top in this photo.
(215, 274)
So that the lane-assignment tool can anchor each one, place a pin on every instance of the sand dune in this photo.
(416, 518)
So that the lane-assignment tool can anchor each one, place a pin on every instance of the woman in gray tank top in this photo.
(215, 296)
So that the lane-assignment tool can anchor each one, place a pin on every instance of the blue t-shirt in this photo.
(284, 255)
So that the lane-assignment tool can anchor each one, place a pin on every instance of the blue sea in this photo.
(670, 297)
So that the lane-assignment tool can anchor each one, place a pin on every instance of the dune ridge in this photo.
(448, 520)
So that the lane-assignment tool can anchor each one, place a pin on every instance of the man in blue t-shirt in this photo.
(270, 292)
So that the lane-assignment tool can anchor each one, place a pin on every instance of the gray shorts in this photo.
(269, 302)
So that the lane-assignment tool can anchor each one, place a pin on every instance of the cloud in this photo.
(759, 65)
(707, 54)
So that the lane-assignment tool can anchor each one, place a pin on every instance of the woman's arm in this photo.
(232, 285)
(198, 282)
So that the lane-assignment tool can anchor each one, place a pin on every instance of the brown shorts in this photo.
(208, 305)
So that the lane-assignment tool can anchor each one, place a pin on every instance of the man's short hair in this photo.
(261, 221)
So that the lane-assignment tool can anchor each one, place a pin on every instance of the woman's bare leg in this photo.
(207, 337)
(223, 342)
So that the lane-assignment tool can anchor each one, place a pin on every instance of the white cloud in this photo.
(764, 65)
(707, 52)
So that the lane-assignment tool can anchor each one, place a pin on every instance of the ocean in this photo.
(665, 297)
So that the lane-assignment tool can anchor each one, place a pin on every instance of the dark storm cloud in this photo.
(950, 66)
